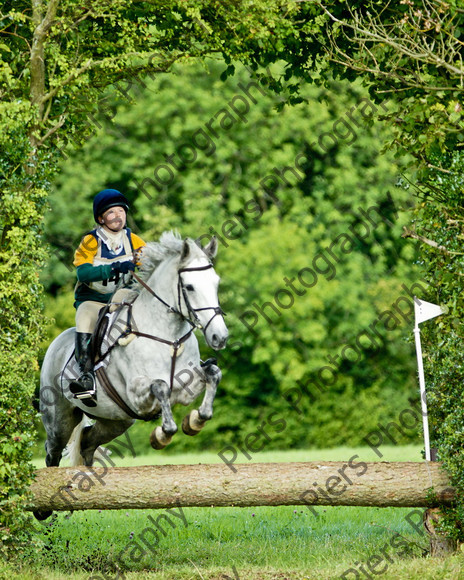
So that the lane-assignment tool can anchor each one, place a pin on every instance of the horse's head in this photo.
(181, 276)
(198, 291)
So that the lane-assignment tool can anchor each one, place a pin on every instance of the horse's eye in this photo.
(189, 287)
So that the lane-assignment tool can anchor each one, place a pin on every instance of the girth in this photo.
(116, 397)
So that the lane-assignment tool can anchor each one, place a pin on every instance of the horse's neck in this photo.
(151, 315)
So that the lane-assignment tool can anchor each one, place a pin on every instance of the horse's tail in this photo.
(72, 452)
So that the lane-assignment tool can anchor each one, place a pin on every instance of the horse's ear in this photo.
(185, 251)
(212, 248)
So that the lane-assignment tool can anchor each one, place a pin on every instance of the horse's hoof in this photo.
(186, 427)
(39, 515)
(192, 424)
(159, 439)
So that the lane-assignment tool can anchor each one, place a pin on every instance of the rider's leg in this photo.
(121, 295)
(84, 359)
(86, 318)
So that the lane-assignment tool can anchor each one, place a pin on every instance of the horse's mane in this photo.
(153, 253)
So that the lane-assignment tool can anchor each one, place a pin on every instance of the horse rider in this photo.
(104, 254)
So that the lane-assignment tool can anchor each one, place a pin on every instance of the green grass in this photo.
(389, 453)
(261, 543)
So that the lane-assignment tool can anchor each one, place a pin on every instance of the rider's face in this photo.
(114, 219)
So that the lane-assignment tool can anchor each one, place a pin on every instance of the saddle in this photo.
(110, 330)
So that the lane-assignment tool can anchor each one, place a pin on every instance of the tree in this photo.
(278, 188)
(56, 58)
(414, 49)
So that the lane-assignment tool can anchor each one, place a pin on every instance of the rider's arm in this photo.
(83, 260)
(89, 273)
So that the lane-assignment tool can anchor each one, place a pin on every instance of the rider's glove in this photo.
(123, 267)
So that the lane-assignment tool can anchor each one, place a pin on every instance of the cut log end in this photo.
(440, 546)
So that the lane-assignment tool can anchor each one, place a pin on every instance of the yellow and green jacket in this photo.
(94, 259)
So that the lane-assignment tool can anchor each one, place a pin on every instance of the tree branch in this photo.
(41, 27)
(52, 130)
(407, 233)
(91, 64)
(413, 44)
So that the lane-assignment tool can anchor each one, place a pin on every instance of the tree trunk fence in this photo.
(375, 484)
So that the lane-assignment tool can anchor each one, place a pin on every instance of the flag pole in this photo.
(420, 367)
(424, 311)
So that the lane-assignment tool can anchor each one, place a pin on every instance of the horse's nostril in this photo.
(215, 339)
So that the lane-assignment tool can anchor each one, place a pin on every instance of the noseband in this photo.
(192, 312)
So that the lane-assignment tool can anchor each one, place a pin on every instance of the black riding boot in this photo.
(84, 387)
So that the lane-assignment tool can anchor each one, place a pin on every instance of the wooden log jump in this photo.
(379, 484)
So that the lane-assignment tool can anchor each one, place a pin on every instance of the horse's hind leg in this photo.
(195, 420)
(103, 431)
(58, 431)
(58, 434)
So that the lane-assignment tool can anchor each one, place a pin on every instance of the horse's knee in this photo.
(160, 390)
(212, 371)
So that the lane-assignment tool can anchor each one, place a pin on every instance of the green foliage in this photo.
(21, 253)
(277, 234)
(440, 219)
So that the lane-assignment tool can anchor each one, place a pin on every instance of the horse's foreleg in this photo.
(162, 435)
(195, 420)
(214, 375)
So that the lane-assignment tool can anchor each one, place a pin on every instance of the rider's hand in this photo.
(123, 267)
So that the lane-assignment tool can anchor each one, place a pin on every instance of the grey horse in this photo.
(156, 363)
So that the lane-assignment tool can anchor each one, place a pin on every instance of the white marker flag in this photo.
(426, 310)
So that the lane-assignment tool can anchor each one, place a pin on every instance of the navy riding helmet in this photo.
(108, 198)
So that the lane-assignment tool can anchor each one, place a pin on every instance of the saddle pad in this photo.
(105, 336)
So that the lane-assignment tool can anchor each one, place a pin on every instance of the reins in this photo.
(191, 318)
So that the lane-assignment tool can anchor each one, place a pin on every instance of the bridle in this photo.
(191, 318)
(192, 312)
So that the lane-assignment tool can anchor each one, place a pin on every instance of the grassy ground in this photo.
(239, 543)
(388, 453)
